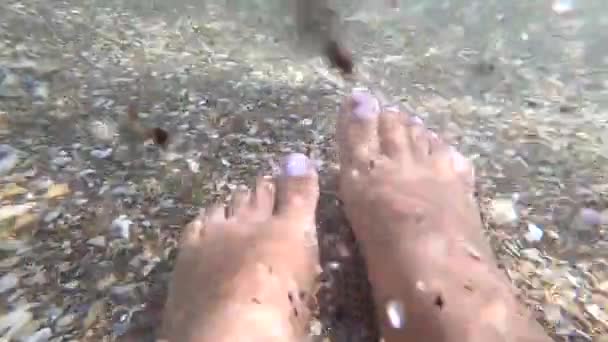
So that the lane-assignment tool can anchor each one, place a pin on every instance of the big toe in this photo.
(357, 130)
(297, 188)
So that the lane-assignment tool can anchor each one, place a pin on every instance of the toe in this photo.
(298, 187)
(357, 130)
(392, 133)
(193, 230)
(464, 168)
(264, 195)
(450, 164)
(434, 141)
(216, 214)
(240, 201)
(420, 140)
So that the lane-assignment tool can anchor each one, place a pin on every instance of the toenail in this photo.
(460, 163)
(395, 314)
(296, 165)
(416, 120)
(393, 108)
(365, 105)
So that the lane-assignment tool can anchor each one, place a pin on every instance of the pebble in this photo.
(8, 159)
(101, 154)
(94, 313)
(14, 321)
(534, 233)
(61, 161)
(591, 216)
(121, 227)
(8, 282)
(98, 241)
(65, 321)
(42, 335)
(532, 254)
(503, 211)
(10, 211)
(52, 216)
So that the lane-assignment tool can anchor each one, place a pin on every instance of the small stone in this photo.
(8, 159)
(25, 220)
(8, 282)
(503, 211)
(98, 241)
(121, 227)
(534, 233)
(94, 313)
(52, 216)
(591, 217)
(462, 107)
(57, 190)
(123, 190)
(10, 211)
(101, 154)
(61, 161)
(11, 190)
(65, 321)
(42, 335)
(14, 321)
(532, 254)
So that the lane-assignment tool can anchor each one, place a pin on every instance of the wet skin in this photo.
(247, 272)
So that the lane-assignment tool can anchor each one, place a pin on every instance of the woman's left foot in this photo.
(246, 272)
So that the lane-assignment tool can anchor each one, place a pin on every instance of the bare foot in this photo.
(409, 199)
(246, 272)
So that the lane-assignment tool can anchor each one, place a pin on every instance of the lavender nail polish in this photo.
(296, 165)
(416, 120)
(365, 105)
(459, 161)
(393, 108)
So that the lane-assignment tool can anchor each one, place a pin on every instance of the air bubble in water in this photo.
(396, 314)
(562, 6)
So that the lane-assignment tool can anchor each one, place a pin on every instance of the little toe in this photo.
(451, 164)
(216, 214)
(420, 140)
(193, 230)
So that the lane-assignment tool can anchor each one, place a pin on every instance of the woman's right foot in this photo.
(409, 199)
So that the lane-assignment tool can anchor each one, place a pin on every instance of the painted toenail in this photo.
(296, 165)
(416, 120)
(365, 105)
(393, 108)
(395, 313)
(460, 163)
